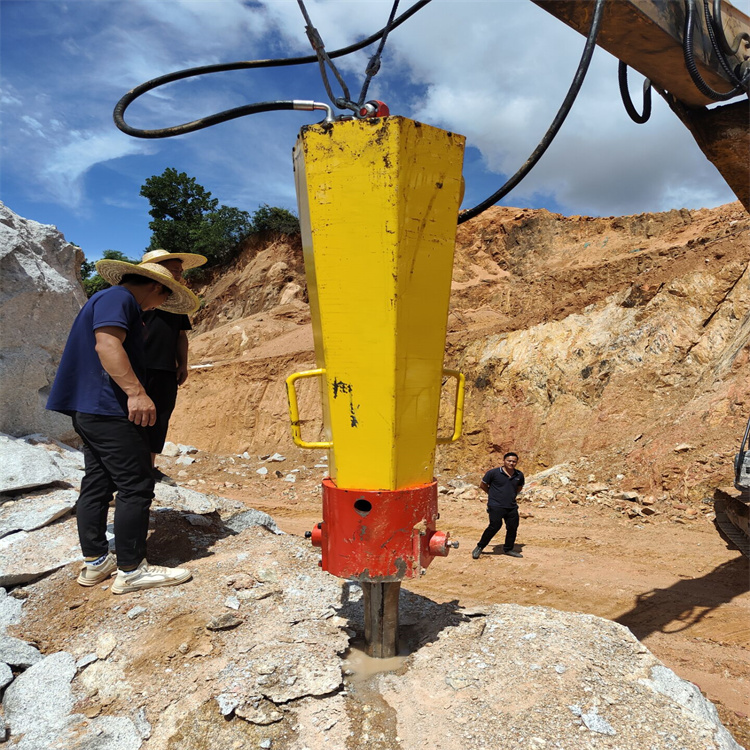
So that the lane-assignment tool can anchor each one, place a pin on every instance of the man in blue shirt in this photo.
(502, 486)
(99, 384)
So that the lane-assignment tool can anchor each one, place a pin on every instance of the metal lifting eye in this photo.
(362, 506)
(373, 108)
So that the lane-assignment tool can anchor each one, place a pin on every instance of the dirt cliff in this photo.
(622, 342)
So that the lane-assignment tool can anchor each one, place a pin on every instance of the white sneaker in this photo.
(92, 574)
(147, 576)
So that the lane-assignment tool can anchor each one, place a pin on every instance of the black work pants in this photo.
(117, 459)
(497, 516)
(161, 387)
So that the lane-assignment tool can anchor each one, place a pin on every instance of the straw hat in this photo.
(182, 300)
(189, 260)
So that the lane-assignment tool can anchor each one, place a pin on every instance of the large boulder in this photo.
(40, 295)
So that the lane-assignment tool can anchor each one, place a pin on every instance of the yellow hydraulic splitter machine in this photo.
(378, 202)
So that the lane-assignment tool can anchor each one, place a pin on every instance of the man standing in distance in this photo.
(502, 486)
(166, 353)
(99, 383)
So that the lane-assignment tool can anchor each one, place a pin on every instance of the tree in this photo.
(92, 282)
(221, 232)
(186, 219)
(274, 219)
(178, 209)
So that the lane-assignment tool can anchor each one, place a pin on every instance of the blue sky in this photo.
(494, 70)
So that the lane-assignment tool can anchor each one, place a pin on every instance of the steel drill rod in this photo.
(381, 618)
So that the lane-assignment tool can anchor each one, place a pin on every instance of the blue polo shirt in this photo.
(502, 488)
(81, 383)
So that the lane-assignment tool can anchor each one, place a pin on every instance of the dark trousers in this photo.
(117, 459)
(497, 516)
(161, 387)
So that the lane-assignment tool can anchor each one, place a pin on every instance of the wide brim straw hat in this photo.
(182, 300)
(189, 260)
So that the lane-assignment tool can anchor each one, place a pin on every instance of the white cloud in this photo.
(494, 71)
(62, 173)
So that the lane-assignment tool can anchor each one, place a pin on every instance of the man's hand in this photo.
(141, 410)
(182, 374)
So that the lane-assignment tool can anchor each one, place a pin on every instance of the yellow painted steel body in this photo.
(378, 204)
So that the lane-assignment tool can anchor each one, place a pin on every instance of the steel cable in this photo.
(133, 94)
(373, 66)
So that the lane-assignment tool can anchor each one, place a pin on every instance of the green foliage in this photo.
(220, 233)
(92, 282)
(186, 219)
(276, 220)
(179, 206)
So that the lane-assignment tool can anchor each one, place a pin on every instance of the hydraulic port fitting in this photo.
(440, 544)
(316, 535)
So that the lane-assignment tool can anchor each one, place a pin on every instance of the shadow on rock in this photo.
(178, 537)
(421, 620)
(686, 602)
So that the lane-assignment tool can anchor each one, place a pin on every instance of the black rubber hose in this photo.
(553, 129)
(719, 28)
(206, 122)
(718, 51)
(622, 79)
(132, 95)
(687, 49)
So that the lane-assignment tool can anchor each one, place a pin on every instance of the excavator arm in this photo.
(648, 36)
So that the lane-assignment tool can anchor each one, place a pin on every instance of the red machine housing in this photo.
(379, 536)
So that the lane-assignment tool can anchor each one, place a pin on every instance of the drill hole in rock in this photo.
(362, 506)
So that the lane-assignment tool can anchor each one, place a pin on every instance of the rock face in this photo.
(510, 674)
(40, 295)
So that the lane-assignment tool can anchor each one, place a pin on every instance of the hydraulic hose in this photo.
(622, 79)
(687, 48)
(553, 129)
(249, 109)
(229, 114)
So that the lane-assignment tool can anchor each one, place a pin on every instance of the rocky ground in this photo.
(260, 649)
(660, 567)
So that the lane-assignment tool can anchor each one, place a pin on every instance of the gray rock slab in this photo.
(40, 699)
(41, 293)
(170, 450)
(23, 466)
(10, 610)
(248, 518)
(35, 509)
(182, 499)
(70, 464)
(6, 675)
(25, 556)
(498, 677)
(18, 653)
(687, 695)
(69, 460)
(38, 707)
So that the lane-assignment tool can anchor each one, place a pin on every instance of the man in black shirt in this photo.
(166, 353)
(502, 486)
